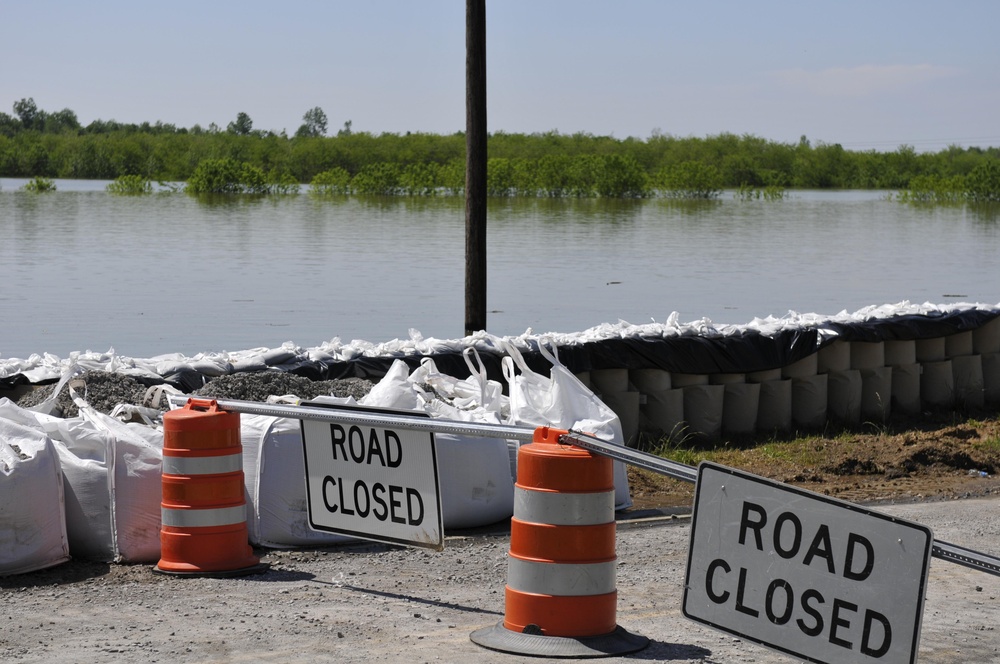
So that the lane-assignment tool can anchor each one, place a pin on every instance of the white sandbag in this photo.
(274, 474)
(650, 380)
(137, 482)
(844, 392)
(739, 407)
(686, 380)
(476, 485)
(900, 352)
(986, 339)
(876, 394)
(867, 354)
(83, 453)
(991, 378)
(393, 390)
(83, 458)
(626, 407)
(810, 400)
(561, 401)
(764, 375)
(726, 378)
(134, 463)
(609, 381)
(906, 388)
(703, 410)
(968, 374)
(663, 413)
(931, 350)
(958, 344)
(835, 356)
(774, 410)
(32, 514)
(804, 368)
(937, 384)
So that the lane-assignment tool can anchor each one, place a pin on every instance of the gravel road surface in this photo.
(370, 602)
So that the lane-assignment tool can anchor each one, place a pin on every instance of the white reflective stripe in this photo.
(564, 509)
(206, 465)
(193, 518)
(560, 579)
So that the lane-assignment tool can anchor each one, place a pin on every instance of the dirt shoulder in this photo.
(936, 457)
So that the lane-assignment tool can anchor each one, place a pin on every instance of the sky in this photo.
(867, 74)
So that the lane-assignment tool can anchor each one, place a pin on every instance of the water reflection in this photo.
(694, 208)
(182, 274)
(988, 213)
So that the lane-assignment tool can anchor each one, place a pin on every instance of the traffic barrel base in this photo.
(618, 642)
(560, 595)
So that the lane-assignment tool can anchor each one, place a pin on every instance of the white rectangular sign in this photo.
(373, 482)
(815, 577)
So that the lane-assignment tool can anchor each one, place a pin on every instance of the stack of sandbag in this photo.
(111, 479)
(32, 517)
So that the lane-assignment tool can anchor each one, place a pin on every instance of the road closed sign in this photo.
(373, 482)
(817, 578)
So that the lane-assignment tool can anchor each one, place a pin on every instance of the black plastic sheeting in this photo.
(913, 326)
(743, 352)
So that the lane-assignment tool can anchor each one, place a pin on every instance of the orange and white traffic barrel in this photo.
(203, 509)
(561, 597)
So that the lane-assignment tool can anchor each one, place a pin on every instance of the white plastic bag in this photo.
(476, 484)
(561, 401)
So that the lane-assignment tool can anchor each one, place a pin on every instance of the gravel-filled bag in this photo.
(32, 514)
(274, 473)
(112, 479)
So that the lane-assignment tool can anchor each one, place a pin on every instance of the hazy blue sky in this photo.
(863, 73)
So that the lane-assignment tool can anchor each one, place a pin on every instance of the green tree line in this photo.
(37, 143)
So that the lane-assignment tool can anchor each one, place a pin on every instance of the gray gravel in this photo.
(375, 603)
(106, 390)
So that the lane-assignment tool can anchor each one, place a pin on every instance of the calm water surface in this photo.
(166, 273)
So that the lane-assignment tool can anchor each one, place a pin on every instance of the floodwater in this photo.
(165, 273)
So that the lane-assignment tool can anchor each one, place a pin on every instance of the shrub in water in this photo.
(227, 176)
(39, 185)
(334, 182)
(690, 179)
(377, 179)
(130, 185)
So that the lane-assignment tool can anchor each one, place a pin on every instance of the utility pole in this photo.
(475, 166)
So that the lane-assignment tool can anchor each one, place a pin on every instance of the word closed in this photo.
(814, 577)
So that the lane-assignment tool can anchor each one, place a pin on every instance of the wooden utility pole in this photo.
(475, 165)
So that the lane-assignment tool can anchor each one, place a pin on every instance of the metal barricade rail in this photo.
(943, 550)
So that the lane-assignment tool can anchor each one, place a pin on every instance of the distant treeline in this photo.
(35, 143)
